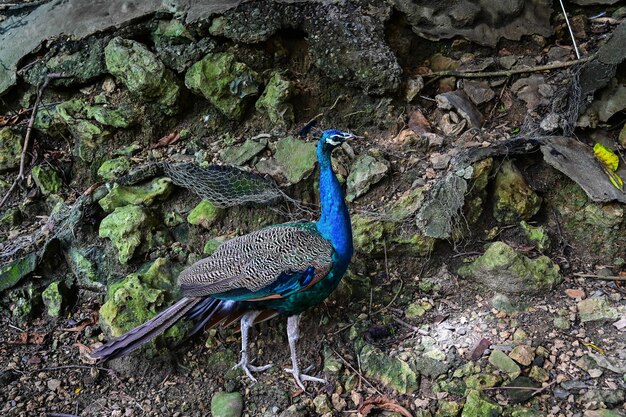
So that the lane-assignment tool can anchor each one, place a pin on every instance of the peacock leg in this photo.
(293, 333)
(246, 322)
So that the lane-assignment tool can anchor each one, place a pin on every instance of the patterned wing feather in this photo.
(250, 263)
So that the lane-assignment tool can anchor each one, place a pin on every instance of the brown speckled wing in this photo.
(256, 260)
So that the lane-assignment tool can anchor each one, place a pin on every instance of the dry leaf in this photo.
(83, 323)
(27, 338)
(382, 403)
(167, 140)
(85, 352)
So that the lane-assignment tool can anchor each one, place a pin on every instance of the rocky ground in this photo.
(486, 200)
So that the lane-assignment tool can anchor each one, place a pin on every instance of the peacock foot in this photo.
(302, 377)
(248, 369)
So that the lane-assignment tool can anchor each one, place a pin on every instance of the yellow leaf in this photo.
(605, 155)
(77, 391)
(616, 180)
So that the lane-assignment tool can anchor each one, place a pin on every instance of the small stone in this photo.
(505, 364)
(205, 214)
(482, 381)
(520, 337)
(503, 303)
(366, 171)
(596, 309)
(239, 155)
(331, 362)
(414, 310)
(440, 161)
(477, 407)
(322, 404)
(478, 91)
(227, 404)
(46, 179)
(562, 323)
(53, 299)
(53, 384)
(448, 409)
(539, 374)
(551, 122)
(413, 88)
(575, 293)
(522, 354)
(537, 235)
(339, 403)
(293, 160)
(112, 169)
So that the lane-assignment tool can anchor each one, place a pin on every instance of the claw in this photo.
(248, 369)
(302, 377)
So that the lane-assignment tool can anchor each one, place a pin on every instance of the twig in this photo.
(535, 390)
(58, 368)
(571, 32)
(61, 415)
(357, 372)
(31, 122)
(600, 277)
(508, 73)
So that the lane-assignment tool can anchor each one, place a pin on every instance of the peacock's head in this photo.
(332, 138)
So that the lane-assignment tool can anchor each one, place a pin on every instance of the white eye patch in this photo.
(330, 141)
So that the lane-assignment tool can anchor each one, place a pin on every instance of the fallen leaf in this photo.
(27, 338)
(167, 140)
(382, 403)
(418, 123)
(575, 293)
(479, 348)
(83, 323)
(85, 352)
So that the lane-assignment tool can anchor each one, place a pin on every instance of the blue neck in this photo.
(334, 223)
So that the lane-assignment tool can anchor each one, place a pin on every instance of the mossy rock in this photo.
(504, 270)
(274, 103)
(227, 404)
(537, 235)
(122, 116)
(205, 214)
(142, 72)
(227, 84)
(366, 171)
(53, 299)
(370, 235)
(10, 149)
(475, 406)
(13, 272)
(477, 194)
(114, 168)
(137, 298)
(596, 228)
(294, 160)
(389, 371)
(128, 227)
(120, 196)
(239, 155)
(514, 200)
(47, 179)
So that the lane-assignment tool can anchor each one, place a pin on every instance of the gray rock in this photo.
(505, 364)
(478, 91)
(596, 309)
(366, 171)
(484, 22)
(239, 155)
(503, 269)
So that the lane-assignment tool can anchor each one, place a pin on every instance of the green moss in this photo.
(537, 235)
(226, 404)
(477, 407)
(14, 271)
(225, 83)
(127, 227)
(136, 299)
(389, 371)
(211, 246)
(239, 155)
(505, 364)
(10, 149)
(46, 179)
(514, 200)
(205, 214)
(142, 72)
(114, 168)
(173, 29)
(481, 381)
(120, 196)
(448, 409)
(273, 101)
(122, 116)
(294, 159)
(11, 217)
(52, 299)
(503, 269)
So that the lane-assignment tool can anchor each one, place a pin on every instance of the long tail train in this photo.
(208, 311)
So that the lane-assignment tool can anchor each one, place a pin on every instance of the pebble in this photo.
(54, 384)
(522, 354)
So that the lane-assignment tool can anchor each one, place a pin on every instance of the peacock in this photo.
(281, 269)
